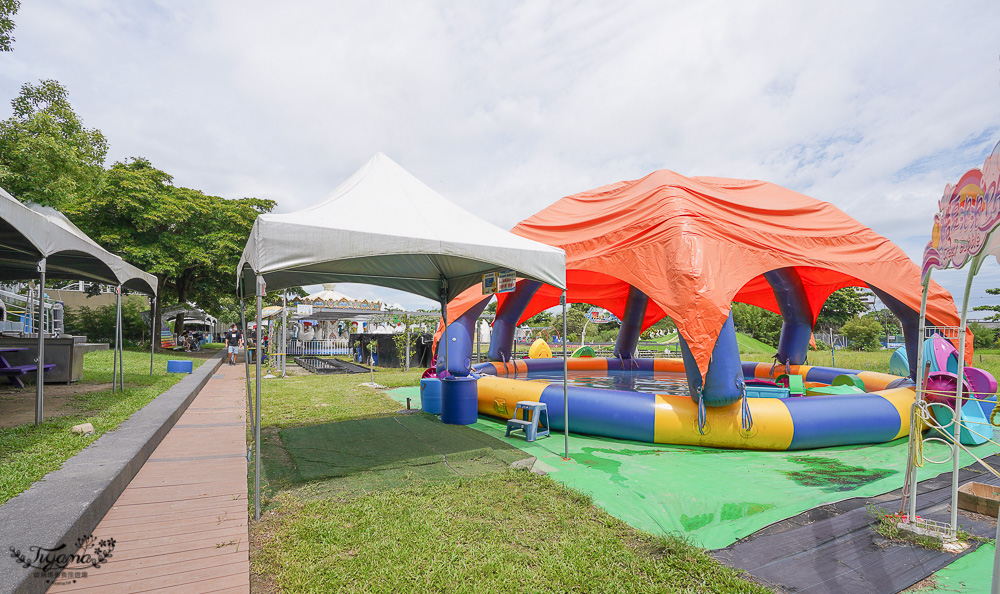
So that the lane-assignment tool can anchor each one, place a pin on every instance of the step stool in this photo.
(530, 427)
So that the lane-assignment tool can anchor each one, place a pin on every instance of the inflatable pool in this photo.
(879, 414)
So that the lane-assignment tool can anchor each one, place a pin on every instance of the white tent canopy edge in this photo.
(384, 227)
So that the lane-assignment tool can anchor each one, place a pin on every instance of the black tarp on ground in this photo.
(833, 548)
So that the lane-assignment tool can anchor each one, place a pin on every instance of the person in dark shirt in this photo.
(234, 340)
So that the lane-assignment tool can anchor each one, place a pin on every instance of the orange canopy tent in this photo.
(696, 244)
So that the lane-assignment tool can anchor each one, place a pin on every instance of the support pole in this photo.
(562, 299)
(955, 449)
(246, 364)
(118, 337)
(259, 290)
(915, 435)
(121, 349)
(406, 322)
(152, 332)
(284, 332)
(40, 388)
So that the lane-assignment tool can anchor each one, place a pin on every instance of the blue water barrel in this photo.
(459, 401)
(180, 366)
(430, 395)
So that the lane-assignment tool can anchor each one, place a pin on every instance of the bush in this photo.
(98, 323)
(984, 337)
(863, 334)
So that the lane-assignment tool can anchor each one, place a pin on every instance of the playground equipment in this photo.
(667, 245)
(773, 420)
(964, 232)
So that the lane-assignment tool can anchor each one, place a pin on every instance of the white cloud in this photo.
(505, 107)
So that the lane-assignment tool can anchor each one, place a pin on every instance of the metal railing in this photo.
(337, 346)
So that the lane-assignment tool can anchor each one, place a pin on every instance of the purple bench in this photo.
(14, 372)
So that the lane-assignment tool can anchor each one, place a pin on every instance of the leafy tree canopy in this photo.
(757, 323)
(995, 308)
(863, 333)
(841, 305)
(46, 154)
(8, 8)
(190, 240)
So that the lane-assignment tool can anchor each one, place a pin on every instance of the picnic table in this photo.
(14, 372)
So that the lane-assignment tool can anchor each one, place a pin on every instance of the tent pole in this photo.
(256, 433)
(152, 332)
(406, 323)
(284, 332)
(444, 316)
(40, 388)
(121, 341)
(246, 363)
(562, 298)
(118, 334)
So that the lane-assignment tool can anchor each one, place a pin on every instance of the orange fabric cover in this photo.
(694, 245)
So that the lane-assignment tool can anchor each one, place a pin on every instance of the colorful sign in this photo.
(507, 281)
(489, 283)
(968, 213)
(597, 315)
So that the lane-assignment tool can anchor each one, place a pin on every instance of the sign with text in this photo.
(598, 315)
(968, 213)
(304, 309)
(507, 281)
(489, 283)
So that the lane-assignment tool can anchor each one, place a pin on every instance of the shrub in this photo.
(984, 337)
(863, 333)
(98, 323)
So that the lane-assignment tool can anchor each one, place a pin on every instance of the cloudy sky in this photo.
(504, 107)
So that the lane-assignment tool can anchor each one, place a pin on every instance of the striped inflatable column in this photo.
(910, 320)
(461, 336)
(724, 378)
(796, 317)
(509, 312)
(635, 313)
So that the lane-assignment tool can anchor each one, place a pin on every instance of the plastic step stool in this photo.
(537, 411)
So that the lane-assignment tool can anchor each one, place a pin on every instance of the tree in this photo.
(8, 8)
(98, 323)
(757, 323)
(191, 241)
(840, 306)
(46, 155)
(863, 333)
(995, 317)
(575, 319)
(984, 337)
(661, 328)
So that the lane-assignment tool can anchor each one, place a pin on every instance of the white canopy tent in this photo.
(384, 227)
(38, 241)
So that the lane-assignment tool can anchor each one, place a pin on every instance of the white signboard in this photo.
(507, 281)
(489, 283)
(304, 309)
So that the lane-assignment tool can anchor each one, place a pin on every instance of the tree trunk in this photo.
(179, 323)
(155, 321)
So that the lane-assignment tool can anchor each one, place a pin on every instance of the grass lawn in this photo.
(29, 452)
(399, 506)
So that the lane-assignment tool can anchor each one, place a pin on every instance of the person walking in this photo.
(234, 340)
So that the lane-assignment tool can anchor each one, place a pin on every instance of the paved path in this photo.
(181, 524)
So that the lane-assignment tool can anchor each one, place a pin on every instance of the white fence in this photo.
(338, 346)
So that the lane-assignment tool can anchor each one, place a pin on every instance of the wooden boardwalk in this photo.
(181, 524)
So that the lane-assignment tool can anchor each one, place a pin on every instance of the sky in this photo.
(505, 107)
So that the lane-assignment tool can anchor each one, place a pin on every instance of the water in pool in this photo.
(672, 383)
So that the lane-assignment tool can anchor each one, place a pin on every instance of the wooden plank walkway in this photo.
(181, 524)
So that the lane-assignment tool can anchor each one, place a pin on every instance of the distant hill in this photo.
(747, 344)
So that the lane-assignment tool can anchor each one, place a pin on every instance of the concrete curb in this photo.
(69, 503)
